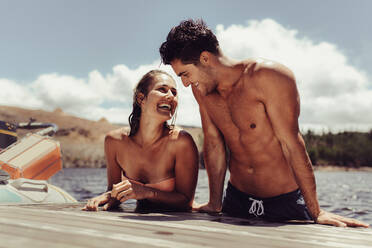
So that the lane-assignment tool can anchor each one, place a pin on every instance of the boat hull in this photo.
(27, 191)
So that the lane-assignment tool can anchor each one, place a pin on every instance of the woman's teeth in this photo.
(165, 106)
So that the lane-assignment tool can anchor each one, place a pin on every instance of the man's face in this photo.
(197, 76)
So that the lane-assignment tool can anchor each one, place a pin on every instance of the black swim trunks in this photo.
(289, 206)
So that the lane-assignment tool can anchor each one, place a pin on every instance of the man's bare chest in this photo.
(243, 111)
(241, 117)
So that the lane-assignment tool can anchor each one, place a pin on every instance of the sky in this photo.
(85, 56)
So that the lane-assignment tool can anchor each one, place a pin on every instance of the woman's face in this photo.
(162, 97)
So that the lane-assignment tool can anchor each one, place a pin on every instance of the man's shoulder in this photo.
(258, 68)
(269, 78)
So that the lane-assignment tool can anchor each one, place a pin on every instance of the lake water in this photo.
(345, 193)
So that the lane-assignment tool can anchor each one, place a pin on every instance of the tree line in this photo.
(352, 149)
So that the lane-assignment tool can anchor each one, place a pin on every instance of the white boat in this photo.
(25, 165)
(28, 191)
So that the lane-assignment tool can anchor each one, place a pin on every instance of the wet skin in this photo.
(252, 107)
(155, 153)
(257, 164)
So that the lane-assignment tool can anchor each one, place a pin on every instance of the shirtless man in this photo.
(252, 107)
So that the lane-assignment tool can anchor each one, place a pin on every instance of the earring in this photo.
(173, 121)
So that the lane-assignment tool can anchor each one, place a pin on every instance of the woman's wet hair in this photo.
(143, 87)
(187, 41)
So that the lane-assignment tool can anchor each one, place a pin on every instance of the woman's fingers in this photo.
(121, 191)
(125, 195)
(92, 205)
(117, 188)
(110, 204)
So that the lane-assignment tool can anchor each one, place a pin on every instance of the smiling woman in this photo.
(154, 163)
(142, 90)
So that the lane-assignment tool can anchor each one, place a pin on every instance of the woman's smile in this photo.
(165, 106)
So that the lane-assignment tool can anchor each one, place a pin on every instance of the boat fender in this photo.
(21, 183)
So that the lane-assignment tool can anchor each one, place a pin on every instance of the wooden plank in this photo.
(65, 225)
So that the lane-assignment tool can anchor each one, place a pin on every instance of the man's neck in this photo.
(229, 72)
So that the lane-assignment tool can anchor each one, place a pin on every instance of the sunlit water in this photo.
(345, 193)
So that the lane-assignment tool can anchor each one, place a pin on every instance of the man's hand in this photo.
(327, 218)
(105, 198)
(206, 208)
(127, 189)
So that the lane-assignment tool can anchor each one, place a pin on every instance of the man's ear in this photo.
(204, 58)
(139, 98)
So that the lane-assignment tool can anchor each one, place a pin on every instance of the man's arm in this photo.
(282, 103)
(214, 159)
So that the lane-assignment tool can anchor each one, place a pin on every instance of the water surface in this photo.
(345, 193)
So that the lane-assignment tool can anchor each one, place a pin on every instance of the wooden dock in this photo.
(65, 225)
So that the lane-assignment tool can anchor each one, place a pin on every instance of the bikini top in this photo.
(167, 185)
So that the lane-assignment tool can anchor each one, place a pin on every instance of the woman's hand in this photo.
(105, 198)
(127, 189)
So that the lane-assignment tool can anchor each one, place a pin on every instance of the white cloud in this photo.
(334, 94)
(113, 114)
(188, 108)
(14, 94)
(94, 97)
(69, 93)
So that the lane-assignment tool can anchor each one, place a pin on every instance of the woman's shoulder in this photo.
(180, 136)
(120, 134)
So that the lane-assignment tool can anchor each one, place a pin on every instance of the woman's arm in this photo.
(113, 175)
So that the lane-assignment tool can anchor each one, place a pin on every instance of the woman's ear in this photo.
(139, 98)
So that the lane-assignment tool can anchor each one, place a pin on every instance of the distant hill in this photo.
(81, 139)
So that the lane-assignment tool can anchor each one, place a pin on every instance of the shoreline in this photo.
(330, 168)
(333, 168)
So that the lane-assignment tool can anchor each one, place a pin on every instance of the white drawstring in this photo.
(257, 207)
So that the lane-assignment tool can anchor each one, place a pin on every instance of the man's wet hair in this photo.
(187, 41)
